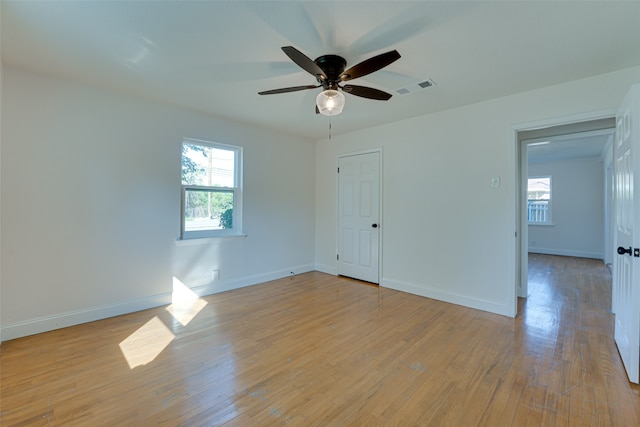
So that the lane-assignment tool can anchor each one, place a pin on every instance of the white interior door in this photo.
(626, 267)
(359, 216)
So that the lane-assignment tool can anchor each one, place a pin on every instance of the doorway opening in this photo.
(574, 217)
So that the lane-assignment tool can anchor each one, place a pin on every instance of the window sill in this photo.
(207, 240)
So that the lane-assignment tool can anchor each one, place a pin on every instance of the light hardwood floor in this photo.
(315, 350)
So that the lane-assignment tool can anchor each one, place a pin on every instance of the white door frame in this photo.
(521, 270)
(522, 235)
(608, 203)
(380, 222)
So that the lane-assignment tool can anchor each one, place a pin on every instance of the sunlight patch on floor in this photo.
(145, 344)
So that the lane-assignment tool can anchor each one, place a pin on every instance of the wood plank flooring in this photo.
(319, 350)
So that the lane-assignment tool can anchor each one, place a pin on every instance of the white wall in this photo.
(90, 199)
(447, 233)
(577, 209)
(90, 204)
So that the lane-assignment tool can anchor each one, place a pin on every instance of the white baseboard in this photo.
(77, 317)
(229, 285)
(465, 301)
(71, 318)
(567, 252)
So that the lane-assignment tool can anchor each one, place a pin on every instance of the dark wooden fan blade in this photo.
(366, 92)
(370, 65)
(287, 89)
(304, 61)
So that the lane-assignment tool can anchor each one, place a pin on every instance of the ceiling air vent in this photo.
(415, 87)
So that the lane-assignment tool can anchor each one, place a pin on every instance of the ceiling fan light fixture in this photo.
(330, 102)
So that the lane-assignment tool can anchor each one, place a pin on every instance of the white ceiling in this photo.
(216, 56)
(563, 147)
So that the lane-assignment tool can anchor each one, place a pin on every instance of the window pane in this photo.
(204, 165)
(538, 210)
(539, 188)
(538, 199)
(208, 210)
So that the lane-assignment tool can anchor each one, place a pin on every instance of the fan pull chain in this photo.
(329, 127)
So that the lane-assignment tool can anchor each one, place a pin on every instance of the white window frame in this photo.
(549, 201)
(236, 229)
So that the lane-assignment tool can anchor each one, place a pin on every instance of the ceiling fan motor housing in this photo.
(333, 67)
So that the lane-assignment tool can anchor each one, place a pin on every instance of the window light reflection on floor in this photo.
(148, 341)
(185, 303)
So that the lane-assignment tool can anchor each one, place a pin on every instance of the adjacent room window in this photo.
(539, 200)
(211, 190)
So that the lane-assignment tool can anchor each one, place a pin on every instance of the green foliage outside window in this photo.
(226, 219)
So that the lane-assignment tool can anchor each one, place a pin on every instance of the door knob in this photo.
(623, 251)
(374, 225)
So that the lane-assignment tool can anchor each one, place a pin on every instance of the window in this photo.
(539, 200)
(211, 190)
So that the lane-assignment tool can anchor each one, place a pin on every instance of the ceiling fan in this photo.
(329, 71)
